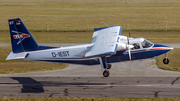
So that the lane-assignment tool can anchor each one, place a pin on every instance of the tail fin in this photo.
(21, 38)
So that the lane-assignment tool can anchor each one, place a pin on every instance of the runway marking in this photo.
(108, 85)
(175, 81)
(143, 85)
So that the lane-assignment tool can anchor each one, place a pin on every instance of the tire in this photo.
(165, 60)
(106, 73)
(109, 66)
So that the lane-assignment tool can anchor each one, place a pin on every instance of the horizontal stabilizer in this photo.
(22, 55)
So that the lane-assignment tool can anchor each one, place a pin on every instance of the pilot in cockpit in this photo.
(136, 46)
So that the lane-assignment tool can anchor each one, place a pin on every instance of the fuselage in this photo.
(75, 54)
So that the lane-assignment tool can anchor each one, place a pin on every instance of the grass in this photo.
(68, 15)
(174, 58)
(86, 37)
(15, 66)
(86, 99)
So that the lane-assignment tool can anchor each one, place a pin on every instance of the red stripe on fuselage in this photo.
(158, 48)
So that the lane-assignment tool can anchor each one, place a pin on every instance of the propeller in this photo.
(129, 46)
(129, 34)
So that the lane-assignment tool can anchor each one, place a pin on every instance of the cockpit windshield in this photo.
(146, 44)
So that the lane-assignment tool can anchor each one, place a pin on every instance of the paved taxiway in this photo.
(131, 79)
(90, 87)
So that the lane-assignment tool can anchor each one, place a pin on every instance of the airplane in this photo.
(108, 46)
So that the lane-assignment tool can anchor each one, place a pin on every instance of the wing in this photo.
(105, 41)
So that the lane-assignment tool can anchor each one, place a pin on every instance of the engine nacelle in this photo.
(121, 46)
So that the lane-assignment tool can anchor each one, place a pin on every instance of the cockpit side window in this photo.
(136, 46)
(146, 44)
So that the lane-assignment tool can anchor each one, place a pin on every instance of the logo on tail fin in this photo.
(18, 23)
(20, 36)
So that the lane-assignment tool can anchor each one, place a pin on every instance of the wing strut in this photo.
(103, 62)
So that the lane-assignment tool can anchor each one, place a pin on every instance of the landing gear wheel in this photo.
(165, 60)
(109, 66)
(106, 73)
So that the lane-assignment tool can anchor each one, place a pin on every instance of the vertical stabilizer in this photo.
(21, 38)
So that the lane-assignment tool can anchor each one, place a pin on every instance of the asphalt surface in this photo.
(90, 87)
(131, 79)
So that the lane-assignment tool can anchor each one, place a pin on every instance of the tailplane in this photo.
(21, 38)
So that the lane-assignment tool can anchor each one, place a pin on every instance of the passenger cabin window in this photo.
(136, 46)
(146, 44)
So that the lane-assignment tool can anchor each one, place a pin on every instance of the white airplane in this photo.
(108, 46)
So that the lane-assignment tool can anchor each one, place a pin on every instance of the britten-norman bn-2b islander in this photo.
(108, 46)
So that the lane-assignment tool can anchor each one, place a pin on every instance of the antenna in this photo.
(106, 24)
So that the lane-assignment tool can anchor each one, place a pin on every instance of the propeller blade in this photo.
(129, 50)
(129, 34)
(129, 46)
(129, 54)
(127, 40)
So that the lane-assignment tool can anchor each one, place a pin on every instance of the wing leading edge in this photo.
(105, 41)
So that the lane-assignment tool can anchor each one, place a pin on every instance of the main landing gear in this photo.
(103, 62)
(165, 60)
(106, 72)
(109, 66)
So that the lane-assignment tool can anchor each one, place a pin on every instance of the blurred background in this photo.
(83, 15)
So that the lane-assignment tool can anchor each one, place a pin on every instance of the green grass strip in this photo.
(86, 37)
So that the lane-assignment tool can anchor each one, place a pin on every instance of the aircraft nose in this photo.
(168, 47)
(160, 49)
(163, 47)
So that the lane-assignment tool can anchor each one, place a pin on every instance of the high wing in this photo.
(105, 41)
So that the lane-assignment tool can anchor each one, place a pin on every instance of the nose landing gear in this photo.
(165, 60)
